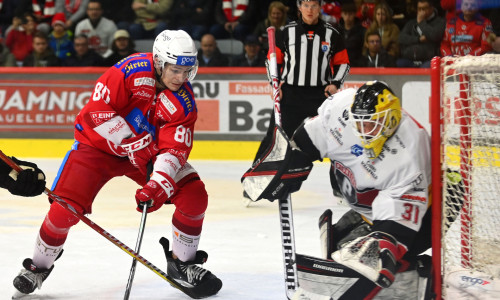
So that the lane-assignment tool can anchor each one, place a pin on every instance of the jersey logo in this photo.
(139, 122)
(168, 104)
(139, 65)
(186, 99)
(310, 35)
(99, 117)
(357, 150)
(325, 46)
(127, 59)
(144, 81)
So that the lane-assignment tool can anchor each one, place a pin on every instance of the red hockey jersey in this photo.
(125, 102)
(466, 38)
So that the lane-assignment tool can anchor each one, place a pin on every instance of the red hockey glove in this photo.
(140, 150)
(159, 189)
(28, 183)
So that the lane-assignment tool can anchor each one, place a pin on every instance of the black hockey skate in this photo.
(196, 281)
(31, 277)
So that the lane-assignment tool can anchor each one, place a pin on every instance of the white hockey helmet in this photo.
(175, 47)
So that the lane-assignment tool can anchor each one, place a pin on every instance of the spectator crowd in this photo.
(377, 33)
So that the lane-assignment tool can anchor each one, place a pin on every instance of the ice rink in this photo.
(243, 243)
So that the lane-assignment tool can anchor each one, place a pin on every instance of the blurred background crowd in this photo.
(377, 33)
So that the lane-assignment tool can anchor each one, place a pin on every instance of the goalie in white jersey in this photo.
(381, 159)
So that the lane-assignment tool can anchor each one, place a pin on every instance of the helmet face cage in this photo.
(375, 114)
(175, 47)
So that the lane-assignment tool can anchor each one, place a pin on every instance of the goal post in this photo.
(465, 135)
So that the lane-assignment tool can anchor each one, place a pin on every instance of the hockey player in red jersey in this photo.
(467, 32)
(380, 157)
(142, 110)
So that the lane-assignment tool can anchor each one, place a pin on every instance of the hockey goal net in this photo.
(465, 117)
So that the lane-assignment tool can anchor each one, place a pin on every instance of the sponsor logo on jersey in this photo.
(167, 104)
(135, 66)
(99, 117)
(345, 115)
(117, 127)
(127, 59)
(341, 122)
(370, 168)
(139, 122)
(186, 60)
(144, 81)
(464, 38)
(337, 135)
(186, 100)
(400, 142)
(143, 94)
(357, 150)
(346, 172)
(325, 46)
(310, 35)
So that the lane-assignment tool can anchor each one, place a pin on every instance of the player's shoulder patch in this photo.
(140, 81)
(173, 103)
(134, 63)
(185, 97)
(167, 104)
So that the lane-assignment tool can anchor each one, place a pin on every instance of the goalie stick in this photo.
(285, 204)
(103, 232)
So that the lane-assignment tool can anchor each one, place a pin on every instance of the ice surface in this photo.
(243, 243)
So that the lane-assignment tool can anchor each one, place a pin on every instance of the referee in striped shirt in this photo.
(313, 64)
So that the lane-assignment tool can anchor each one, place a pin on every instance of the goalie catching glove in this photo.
(29, 182)
(140, 150)
(159, 189)
(375, 256)
(280, 171)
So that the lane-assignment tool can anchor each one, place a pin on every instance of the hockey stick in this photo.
(285, 204)
(101, 231)
(137, 249)
(139, 237)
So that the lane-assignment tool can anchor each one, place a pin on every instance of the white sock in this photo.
(184, 246)
(44, 254)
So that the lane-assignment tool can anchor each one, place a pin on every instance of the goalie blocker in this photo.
(278, 172)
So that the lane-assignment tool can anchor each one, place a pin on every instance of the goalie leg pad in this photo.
(329, 278)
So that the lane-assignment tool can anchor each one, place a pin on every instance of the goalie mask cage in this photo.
(465, 118)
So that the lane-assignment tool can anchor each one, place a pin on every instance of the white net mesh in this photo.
(471, 164)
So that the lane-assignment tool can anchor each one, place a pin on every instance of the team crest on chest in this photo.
(325, 46)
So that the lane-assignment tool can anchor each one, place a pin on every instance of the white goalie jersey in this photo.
(395, 185)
